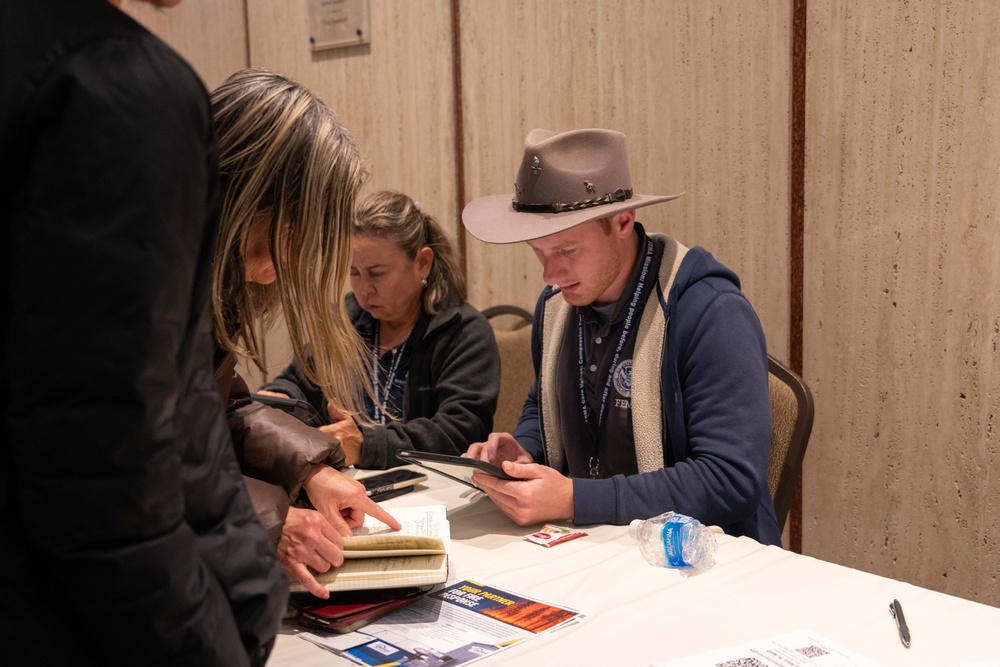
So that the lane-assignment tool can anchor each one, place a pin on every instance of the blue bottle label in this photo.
(672, 540)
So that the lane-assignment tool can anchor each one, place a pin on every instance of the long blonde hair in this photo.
(283, 154)
(398, 218)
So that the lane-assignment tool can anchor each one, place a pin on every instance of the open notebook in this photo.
(376, 557)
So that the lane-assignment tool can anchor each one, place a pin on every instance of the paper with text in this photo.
(376, 557)
(453, 626)
(425, 531)
(802, 648)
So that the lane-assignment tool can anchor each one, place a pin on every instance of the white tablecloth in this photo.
(638, 614)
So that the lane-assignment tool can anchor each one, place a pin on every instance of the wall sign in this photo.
(338, 23)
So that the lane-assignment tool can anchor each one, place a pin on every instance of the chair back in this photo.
(791, 423)
(512, 327)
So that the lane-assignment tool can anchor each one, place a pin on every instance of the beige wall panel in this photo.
(701, 90)
(394, 94)
(902, 307)
(211, 34)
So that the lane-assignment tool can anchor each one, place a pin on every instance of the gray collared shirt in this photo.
(602, 329)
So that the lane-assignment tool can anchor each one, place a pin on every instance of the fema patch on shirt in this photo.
(623, 378)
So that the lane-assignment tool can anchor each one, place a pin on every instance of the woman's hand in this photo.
(346, 431)
(309, 540)
(343, 500)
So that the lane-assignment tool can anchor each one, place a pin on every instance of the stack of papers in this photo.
(453, 626)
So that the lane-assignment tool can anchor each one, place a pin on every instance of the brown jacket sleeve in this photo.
(270, 503)
(272, 446)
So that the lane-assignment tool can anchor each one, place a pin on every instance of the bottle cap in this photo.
(633, 528)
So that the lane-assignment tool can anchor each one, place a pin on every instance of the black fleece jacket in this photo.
(451, 389)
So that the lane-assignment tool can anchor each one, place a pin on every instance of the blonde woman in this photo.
(432, 360)
(289, 173)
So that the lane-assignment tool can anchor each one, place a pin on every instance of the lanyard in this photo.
(397, 354)
(595, 461)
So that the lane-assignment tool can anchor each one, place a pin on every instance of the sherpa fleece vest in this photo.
(647, 365)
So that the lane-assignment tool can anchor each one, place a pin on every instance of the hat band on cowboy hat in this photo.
(611, 197)
(565, 179)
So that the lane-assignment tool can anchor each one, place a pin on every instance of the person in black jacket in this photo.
(128, 534)
(436, 381)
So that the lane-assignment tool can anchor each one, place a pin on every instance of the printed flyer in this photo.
(453, 626)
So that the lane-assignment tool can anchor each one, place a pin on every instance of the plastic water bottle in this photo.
(675, 541)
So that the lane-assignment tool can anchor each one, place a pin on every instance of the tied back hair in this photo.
(284, 155)
(397, 217)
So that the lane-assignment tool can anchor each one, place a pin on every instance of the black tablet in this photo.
(458, 468)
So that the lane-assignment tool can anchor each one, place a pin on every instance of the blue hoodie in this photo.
(715, 411)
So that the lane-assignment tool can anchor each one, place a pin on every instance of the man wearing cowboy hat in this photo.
(651, 367)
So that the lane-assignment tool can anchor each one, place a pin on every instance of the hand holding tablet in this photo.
(457, 468)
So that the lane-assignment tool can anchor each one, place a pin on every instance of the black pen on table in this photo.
(896, 610)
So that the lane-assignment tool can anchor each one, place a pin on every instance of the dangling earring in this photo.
(423, 281)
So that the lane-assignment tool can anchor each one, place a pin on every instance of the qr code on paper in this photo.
(741, 662)
(813, 651)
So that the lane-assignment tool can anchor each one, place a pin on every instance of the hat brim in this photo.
(493, 219)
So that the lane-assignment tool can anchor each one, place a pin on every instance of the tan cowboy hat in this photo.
(565, 179)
